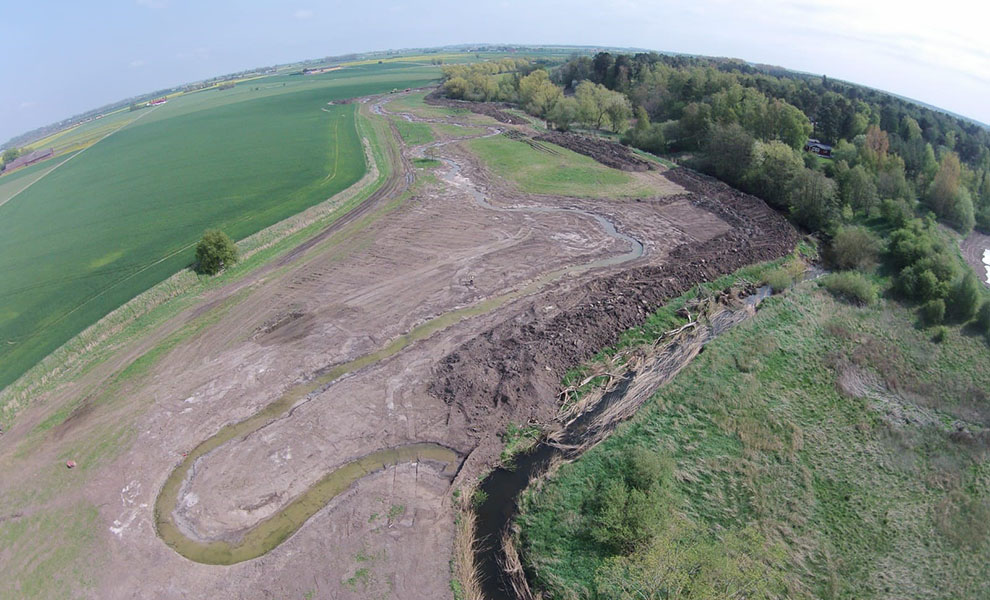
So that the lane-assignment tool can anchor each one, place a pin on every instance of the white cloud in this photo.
(303, 14)
(136, 63)
(27, 104)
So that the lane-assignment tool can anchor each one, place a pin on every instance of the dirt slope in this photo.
(514, 369)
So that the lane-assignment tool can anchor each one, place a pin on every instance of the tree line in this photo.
(893, 161)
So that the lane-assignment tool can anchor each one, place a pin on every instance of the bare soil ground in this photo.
(973, 249)
(408, 255)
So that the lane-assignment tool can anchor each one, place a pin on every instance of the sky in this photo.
(65, 57)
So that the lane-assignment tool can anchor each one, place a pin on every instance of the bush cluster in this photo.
(628, 504)
(851, 286)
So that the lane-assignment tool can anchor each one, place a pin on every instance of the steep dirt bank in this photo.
(610, 154)
(492, 109)
(512, 371)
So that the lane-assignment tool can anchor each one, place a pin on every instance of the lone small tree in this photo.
(214, 252)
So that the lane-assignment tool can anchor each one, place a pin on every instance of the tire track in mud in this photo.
(264, 536)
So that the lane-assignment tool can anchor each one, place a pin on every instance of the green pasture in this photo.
(777, 480)
(126, 213)
(556, 170)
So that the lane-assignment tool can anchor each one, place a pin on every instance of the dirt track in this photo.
(395, 264)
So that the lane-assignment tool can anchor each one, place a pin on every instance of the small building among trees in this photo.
(30, 158)
(816, 147)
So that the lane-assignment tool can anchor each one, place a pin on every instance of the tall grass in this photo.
(845, 495)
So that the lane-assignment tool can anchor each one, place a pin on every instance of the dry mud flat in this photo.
(976, 250)
(406, 262)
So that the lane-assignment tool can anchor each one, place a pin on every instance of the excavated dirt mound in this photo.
(513, 370)
(610, 154)
(491, 109)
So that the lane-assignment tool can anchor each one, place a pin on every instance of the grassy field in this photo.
(414, 134)
(562, 172)
(414, 103)
(124, 215)
(786, 466)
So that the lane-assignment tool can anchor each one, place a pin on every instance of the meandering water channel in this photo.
(269, 533)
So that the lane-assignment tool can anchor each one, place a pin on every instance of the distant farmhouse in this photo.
(30, 159)
(816, 147)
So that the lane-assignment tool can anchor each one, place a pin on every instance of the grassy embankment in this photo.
(124, 215)
(555, 171)
(813, 451)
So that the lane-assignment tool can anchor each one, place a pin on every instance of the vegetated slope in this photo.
(544, 168)
(124, 215)
(820, 450)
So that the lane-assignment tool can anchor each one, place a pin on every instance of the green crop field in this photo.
(771, 478)
(87, 133)
(19, 180)
(557, 171)
(126, 213)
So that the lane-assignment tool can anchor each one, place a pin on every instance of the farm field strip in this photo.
(73, 154)
(119, 221)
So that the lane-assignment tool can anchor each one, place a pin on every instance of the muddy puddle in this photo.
(502, 487)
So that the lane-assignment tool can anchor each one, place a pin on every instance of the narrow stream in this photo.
(503, 486)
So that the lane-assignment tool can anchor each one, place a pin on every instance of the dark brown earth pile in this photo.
(514, 369)
(491, 109)
(610, 154)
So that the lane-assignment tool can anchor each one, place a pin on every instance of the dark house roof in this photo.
(31, 158)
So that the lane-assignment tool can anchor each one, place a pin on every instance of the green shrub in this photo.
(851, 286)
(214, 252)
(964, 299)
(896, 212)
(933, 312)
(983, 317)
(941, 332)
(926, 267)
(854, 248)
(778, 279)
(627, 506)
